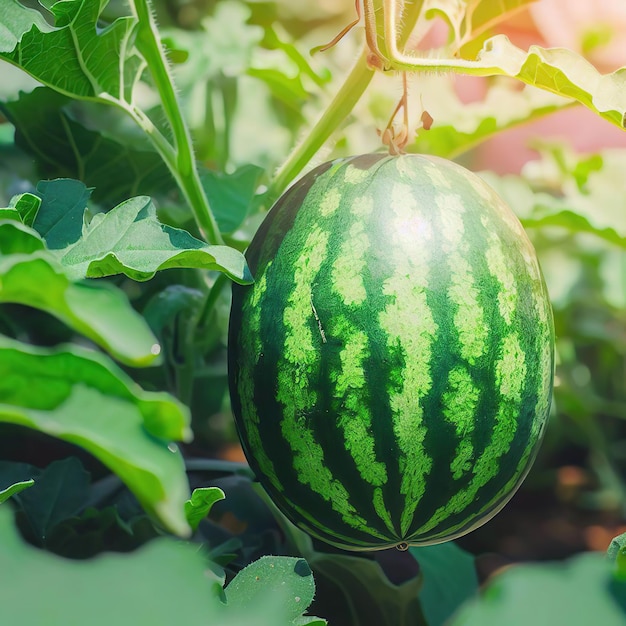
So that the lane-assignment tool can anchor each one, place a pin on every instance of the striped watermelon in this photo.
(391, 368)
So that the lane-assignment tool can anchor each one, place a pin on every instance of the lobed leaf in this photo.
(130, 240)
(63, 146)
(88, 62)
(83, 398)
(60, 492)
(562, 72)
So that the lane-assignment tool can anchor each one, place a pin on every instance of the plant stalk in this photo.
(184, 167)
(338, 110)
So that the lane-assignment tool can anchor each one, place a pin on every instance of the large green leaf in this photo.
(64, 147)
(83, 398)
(165, 582)
(130, 240)
(448, 580)
(60, 492)
(579, 592)
(88, 62)
(99, 311)
(562, 72)
(556, 70)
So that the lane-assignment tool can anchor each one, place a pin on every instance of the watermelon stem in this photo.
(340, 107)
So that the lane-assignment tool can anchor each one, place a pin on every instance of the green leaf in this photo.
(27, 206)
(617, 544)
(59, 493)
(231, 195)
(15, 488)
(200, 504)
(99, 311)
(57, 137)
(579, 591)
(459, 126)
(556, 70)
(83, 398)
(448, 580)
(16, 21)
(165, 582)
(291, 576)
(130, 240)
(577, 224)
(17, 238)
(88, 61)
(562, 72)
(60, 217)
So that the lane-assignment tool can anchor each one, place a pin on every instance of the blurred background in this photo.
(250, 90)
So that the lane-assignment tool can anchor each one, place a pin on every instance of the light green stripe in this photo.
(330, 202)
(510, 373)
(460, 401)
(356, 176)
(437, 176)
(498, 268)
(469, 317)
(296, 373)
(409, 325)
(378, 500)
(498, 206)
(355, 418)
(252, 348)
(347, 270)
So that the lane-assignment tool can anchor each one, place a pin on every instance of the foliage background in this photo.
(250, 90)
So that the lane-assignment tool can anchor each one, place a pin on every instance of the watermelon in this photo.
(391, 367)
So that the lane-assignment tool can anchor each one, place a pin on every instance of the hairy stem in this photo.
(183, 166)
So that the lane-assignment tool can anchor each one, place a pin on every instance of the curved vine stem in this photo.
(182, 163)
(346, 98)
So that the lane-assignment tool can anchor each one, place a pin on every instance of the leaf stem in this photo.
(340, 107)
(183, 167)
